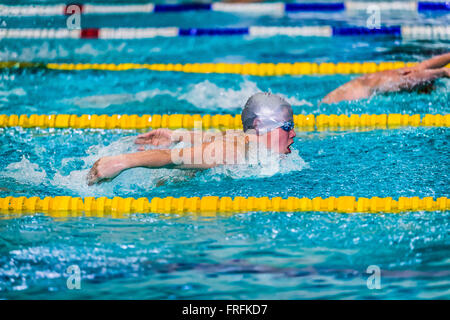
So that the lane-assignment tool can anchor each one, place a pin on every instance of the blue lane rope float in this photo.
(356, 31)
(413, 32)
(298, 7)
(432, 5)
(253, 8)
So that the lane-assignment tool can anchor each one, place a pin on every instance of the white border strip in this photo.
(249, 8)
(101, 9)
(40, 33)
(383, 5)
(426, 32)
(319, 31)
(137, 33)
(38, 10)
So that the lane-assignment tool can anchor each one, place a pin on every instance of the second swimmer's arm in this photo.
(423, 76)
(435, 62)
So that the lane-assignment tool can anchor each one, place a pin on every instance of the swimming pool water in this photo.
(240, 256)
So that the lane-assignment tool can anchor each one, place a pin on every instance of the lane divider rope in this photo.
(407, 32)
(218, 121)
(212, 205)
(275, 8)
(254, 69)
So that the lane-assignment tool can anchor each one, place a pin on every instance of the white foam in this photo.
(207, 95)
(14, 92)
(142, 180)
(295, 102)
(90, 50)
(137, 180)
(87, 49)
(130, 181)
(267, 166)
(204, 95)
(101, 101)
(47, 52)
(104, 101)
(34, 52)
(24, 172)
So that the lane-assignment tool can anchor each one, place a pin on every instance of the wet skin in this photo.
(420, 77)
(106, 168)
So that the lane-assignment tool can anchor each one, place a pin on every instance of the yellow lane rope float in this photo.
(256, 69)
(223, 122)
(211, 205)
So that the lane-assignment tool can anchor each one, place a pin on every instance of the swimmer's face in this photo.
(281, 140)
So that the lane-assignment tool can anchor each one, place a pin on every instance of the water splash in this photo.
(207, 95)
(204, 95)
(130, 181)
(24, 172)
(260, 167)
(142, 180)
(13, 92)
(107, 100)
(31, 53)
(89, 49)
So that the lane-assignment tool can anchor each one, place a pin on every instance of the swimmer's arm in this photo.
(192, 137)
(352, 90)
(164, 136)
(423, 77)
(108, 168)
(435, 62)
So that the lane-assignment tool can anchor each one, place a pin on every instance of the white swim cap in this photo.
(271, 110)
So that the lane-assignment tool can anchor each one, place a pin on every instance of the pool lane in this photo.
(385, 163)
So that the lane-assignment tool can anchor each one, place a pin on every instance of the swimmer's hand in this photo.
(106, 168)
(158, 137)
(446, 72)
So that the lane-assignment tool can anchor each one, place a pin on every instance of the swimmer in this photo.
(267, 120)
(419, 77)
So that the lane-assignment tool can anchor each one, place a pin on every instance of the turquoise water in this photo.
(243, 256)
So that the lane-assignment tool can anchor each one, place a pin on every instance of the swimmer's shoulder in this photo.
(238, 138)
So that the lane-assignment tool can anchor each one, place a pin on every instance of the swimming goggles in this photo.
(287, 126)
